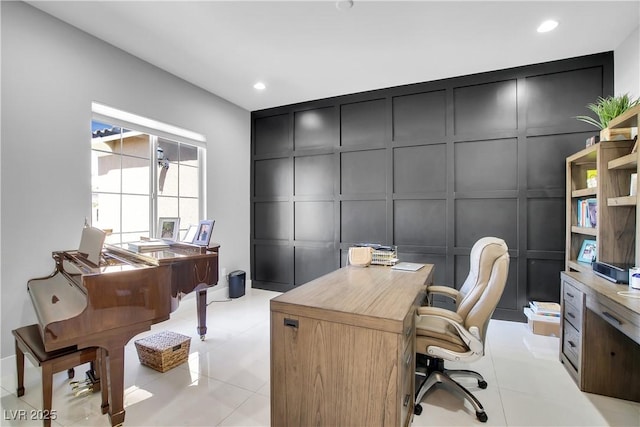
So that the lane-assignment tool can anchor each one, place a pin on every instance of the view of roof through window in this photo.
(101, 130)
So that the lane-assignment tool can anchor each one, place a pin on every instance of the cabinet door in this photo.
(327, 373)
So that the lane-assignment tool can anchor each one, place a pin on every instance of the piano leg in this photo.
(104, 380)
(115, 365)
(201, 304)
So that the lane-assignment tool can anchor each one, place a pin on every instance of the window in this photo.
(138, 177)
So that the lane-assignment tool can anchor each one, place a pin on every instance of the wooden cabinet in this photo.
(600, 343)
(343, 348)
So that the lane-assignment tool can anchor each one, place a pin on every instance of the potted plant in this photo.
(607, 109)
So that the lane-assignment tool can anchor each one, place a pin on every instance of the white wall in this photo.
(627, 66)
(51, 72)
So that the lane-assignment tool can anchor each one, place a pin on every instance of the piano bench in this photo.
(29, 342)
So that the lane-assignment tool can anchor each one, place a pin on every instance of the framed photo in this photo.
(203, 235)
(168, 228)
(191, 234)
(588, 251)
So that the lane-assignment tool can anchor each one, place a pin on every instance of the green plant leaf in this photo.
(607, 109)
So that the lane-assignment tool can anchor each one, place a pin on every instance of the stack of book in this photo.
(543, 318)
(551, 309)
(587, 212)
(148, 245)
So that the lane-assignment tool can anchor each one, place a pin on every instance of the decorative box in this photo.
(164, 350)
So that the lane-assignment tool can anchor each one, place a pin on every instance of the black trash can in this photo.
(236, 283)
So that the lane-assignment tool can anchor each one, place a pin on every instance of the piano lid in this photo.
(55, 299)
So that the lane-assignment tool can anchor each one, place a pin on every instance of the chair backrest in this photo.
(481, 291)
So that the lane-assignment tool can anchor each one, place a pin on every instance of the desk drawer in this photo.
(407, 396)
(616, 315)
(571, 344)
(572, 296)
(573, 315)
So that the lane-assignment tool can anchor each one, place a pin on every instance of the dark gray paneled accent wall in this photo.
(431, 168)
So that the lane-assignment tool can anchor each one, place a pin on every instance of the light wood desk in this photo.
(343, 348)
(600, 341)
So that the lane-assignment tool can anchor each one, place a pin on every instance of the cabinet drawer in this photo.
(616, 315)
(571, 344)
(573, 315)
(407, 368)
(572, 296)
(408, 329)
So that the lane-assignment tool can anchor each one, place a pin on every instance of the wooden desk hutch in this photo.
(600, 340)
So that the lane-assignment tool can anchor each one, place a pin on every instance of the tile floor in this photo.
(226, 382)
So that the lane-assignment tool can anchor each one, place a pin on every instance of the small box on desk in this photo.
(164, 350)
(543, 325)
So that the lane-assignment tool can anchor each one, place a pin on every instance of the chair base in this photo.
(435, 373)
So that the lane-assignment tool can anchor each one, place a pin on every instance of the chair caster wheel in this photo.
(417, 410)
(482, 417)
(482, 384)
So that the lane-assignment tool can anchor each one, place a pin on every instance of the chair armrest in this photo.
(443, 290)
(440, 312)
(470, 337)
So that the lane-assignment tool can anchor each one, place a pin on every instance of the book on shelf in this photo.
(545, 308)
(587, 210)
(148, 245)
(592, 178)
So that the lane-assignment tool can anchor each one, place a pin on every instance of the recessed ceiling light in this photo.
(344, 4)
(547, 26)
(259, 86)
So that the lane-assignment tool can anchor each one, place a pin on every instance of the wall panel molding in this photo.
(429, 167)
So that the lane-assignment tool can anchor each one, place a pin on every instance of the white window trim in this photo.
(124, 119)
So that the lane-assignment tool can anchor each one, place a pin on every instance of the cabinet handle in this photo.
(570, 295)
(408, 361)
(407, 399)
(571, 343)
(611, 317)
(406, 334)
(291, 323)
(571, 315)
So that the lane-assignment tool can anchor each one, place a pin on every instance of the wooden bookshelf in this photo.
(616, 212)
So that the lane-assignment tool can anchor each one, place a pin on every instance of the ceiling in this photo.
(305, 50)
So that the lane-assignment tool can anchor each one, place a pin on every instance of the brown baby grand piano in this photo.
(87, 305)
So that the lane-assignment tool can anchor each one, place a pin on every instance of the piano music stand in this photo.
(29, 342)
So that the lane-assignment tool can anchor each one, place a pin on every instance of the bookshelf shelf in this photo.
(584, 192)
(630, 161)
(627, 119)
(622, 201)
(579, 266)
(587, 231)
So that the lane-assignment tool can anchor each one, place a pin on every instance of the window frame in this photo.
(155, 134)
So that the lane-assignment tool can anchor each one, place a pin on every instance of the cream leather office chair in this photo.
(460, 336)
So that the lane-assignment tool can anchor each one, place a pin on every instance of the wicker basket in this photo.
(164, 350)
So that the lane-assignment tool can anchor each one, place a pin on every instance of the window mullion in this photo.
(153, 185)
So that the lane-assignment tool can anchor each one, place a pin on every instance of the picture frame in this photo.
(191, 234)
(203, 235)
(588, 251)
(168, 228)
